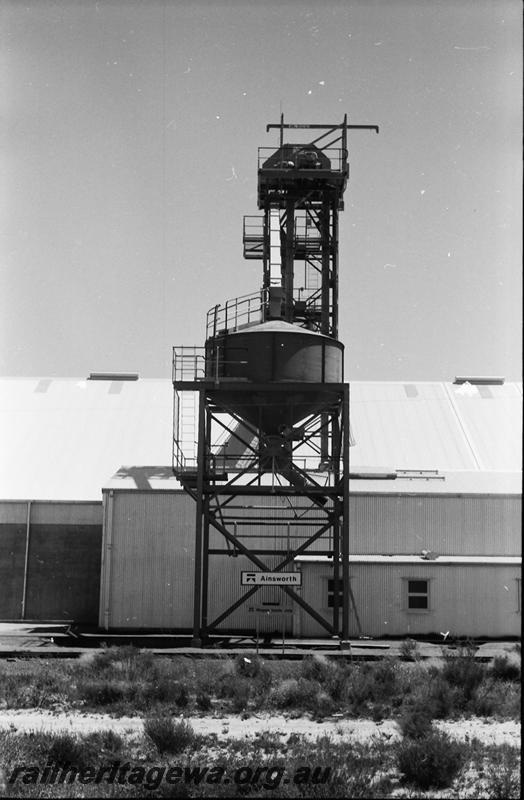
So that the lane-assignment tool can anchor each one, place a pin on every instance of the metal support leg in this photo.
(345, 515)
(336, 574)
(205, 569)
(197, 597)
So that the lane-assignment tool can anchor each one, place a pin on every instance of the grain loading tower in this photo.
(262, 410)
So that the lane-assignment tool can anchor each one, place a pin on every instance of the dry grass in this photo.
(411, 768)
(126, 681)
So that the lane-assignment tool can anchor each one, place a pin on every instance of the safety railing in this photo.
(253, 237)
(241, 312)
(218, 464)
(301, 157)
(236, 313)
(189, 363)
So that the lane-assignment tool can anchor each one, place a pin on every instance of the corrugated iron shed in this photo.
(63, 438)
(436, 426)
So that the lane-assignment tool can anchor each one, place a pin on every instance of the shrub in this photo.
(445, 700)
(255, 676)
(124, 662)
(357, 770)
(384, 675)
(205, 676)
(484, 701)
(203, 701)
(323, 704)
(502, 669)
(169, 736)
(37, 686)
(301, 694)
(503, 780)
(372, 688)
(66, 749)
(236, 689)
(409, 650)
(293, 693)
(248, 665)
(166, 690)
(416, 722)
(105, 742)
(106, 657)
(317, 668)
(464, 672)
(240, 698)
(105, 692)
(358, 691)
(496, 698)
(432, 761)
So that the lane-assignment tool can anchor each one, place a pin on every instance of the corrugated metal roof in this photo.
(62, 439)
(491, 418)
(132, 478)
(436, 426)
(459, 482)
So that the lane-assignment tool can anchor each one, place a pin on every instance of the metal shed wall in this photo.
(148, 553)
(147, 560)
(465, 599)
(50, 560)
(147, 569)
(225, 589)
(448, 525)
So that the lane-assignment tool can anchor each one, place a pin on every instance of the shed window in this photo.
(418, 594)
(331, 592)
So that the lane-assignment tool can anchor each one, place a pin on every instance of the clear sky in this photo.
(130, 152)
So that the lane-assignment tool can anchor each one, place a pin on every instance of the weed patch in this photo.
(416, 722)
(203, 701)
(503, 771)
(169, 736)
(432, 761)
(502, 669)
(463, 671)
(235, 689)
(409, 650)
(293, 693)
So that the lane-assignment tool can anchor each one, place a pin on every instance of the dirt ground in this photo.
(488, 731)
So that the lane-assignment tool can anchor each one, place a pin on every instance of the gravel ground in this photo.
(488, 731)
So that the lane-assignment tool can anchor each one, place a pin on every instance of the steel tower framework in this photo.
(264, 492)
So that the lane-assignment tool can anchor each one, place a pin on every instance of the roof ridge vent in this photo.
(477, 380)
(113, 376)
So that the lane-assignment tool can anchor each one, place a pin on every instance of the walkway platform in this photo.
(57, 640)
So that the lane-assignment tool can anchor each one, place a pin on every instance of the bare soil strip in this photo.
(229, 726)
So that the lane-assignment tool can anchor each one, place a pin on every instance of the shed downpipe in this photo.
(26, 557)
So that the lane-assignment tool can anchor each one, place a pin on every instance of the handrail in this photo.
(189, 363)
(248, 309)
(336, 155)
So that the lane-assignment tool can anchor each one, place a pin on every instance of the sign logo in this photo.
(271, 579)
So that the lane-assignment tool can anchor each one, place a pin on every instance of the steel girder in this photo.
(315, 511)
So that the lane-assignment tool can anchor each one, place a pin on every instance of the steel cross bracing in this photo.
(269, 492)
(312, 516)
(303, 185)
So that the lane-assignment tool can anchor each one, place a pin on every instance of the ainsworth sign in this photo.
(271, 579)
